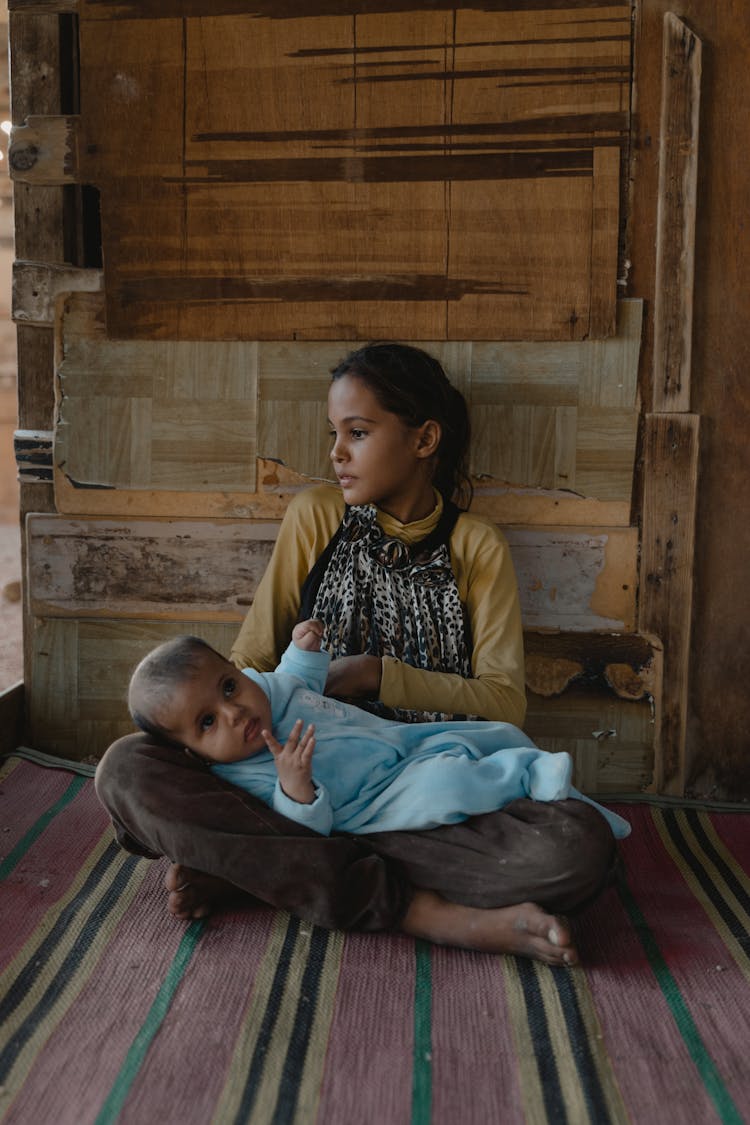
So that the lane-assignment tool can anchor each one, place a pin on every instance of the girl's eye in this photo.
(229, 687)
(357, 434)
(206, 722)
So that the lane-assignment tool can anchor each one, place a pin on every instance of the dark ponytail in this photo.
(411, 384)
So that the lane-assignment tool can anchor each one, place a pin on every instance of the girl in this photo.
(420, 612)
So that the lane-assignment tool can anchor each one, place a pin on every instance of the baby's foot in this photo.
(550, 776)
(194, 894)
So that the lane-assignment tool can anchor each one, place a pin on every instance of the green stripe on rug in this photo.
(150, 1026)
(717, 1091)
(421, 1095)
(36, 829)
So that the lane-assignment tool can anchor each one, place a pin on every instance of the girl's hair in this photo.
(158, 674)
(411, 384)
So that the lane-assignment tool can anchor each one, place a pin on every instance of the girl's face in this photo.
(218, 713)
(378, 459)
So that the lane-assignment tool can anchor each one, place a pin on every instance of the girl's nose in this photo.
(337, 453)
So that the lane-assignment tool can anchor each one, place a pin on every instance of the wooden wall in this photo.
(195, 362)
(717, 742)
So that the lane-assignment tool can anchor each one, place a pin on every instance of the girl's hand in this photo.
(293, 762)
(307, 635)
(352, 676)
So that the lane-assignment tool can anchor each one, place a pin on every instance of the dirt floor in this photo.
(11, 644)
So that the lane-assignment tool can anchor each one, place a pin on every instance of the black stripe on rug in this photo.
(580, 1048)
(728, 875)
(544, 1052)
(736, 928)
(275, 996)
(294, 1063)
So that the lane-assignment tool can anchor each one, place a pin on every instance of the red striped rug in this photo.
(112, 1011)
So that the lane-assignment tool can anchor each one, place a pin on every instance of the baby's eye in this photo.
(229, 686)
(206, 722)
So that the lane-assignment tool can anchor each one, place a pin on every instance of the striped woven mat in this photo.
(111, 1010)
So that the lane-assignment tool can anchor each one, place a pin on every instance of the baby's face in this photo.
(218, 713)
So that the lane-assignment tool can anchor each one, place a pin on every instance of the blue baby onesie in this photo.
(377, 775)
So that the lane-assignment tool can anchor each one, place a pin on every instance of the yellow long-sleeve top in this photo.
(486, 583)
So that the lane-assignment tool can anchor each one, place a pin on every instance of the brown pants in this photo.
(162, 803)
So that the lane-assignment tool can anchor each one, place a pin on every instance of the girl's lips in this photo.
(251, 730)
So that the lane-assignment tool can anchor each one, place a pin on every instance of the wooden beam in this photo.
(174, 569)
(666, 580)
(605, 213)
(675, 220)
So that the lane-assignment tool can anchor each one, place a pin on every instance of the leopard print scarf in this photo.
(377, 595)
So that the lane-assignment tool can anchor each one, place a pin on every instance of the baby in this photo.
(330, 765)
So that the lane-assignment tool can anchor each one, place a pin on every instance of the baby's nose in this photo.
(232, 710)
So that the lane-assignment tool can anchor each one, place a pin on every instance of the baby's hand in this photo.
(307, 635)
(293, 762)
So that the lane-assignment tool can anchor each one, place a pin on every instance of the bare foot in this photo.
(193, 894)
(526, 929)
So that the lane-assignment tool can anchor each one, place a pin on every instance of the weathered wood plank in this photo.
(44, 151)
(180, 568)
(38, 285)
(666, 577)
(675, 221)
(627, 663)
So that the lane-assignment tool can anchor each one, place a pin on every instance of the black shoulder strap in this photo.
(311, 584)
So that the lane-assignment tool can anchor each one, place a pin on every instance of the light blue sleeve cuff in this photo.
(310, 667)
(318, 815)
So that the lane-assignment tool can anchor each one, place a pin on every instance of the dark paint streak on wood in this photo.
(403, 48)
(552, 145)
(296, 9)
(387, 169)
(414, 287)
(563, 123)
(569, 72)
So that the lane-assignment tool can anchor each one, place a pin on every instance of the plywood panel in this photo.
(610, 740)
(175, 415)
(428, 173)
(176, 426)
